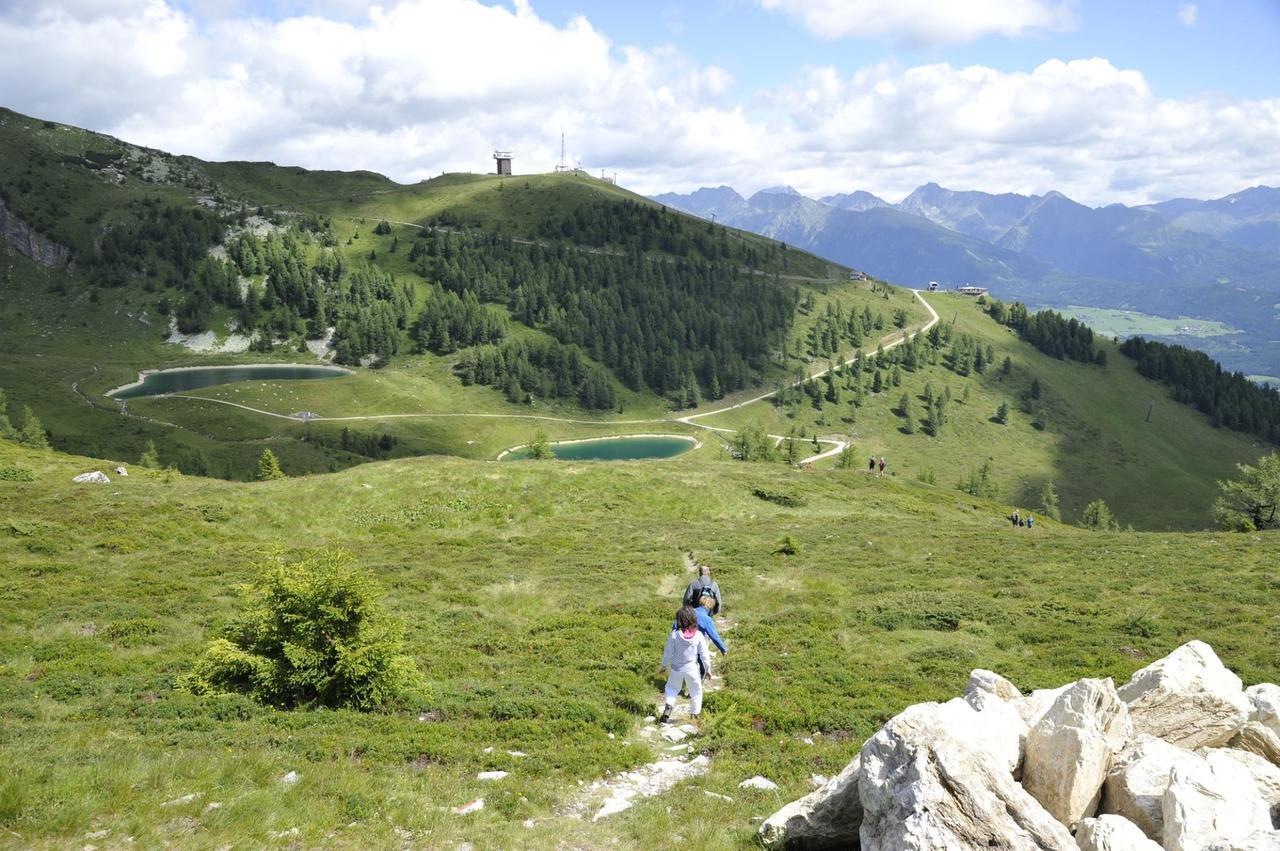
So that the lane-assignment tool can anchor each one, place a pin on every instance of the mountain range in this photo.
(1217, 260)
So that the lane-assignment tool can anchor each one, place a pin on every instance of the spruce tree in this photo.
(1002, 413)
(1098, 517)
(7, 431)
(904, 404)
(1049, 502)
(1035, 388)
(150, 458)
(877, 383)
(32, 433)
(268, 467)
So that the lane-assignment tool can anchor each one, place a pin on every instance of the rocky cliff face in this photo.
(23, 237)
(1181, 758)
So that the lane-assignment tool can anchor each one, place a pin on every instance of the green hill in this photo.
(536, 598)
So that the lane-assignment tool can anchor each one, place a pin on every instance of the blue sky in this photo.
(1130, 101)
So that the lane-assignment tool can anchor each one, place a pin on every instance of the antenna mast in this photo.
(562, 165)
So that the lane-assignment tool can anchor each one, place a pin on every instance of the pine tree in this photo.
(964, 397)
(32, 433)
(1002, 413)
(1049, 502)
(908, 422)
(792, 452)
(1007, 366)
(877, 384)
(268, 467)
(933, 421)
(150, 458)
(1098, 517)
(7, 431)
(904, 404)
(1035, 388)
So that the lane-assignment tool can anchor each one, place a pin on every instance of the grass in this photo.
(1131, 323)
(536, 597)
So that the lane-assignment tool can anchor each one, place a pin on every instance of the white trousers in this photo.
(690, 678)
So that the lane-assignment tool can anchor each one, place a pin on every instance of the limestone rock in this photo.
(1069, 750)
(1210, 804)
(764, 784)
(992, 683)
(923, 786)
(1259, 739)
(1265, 775)
(1264, 702)
(28, 242)
(1032, 707)
(1135, 786)
(1188, 698)
(1265, 840)
(996, 729)
(828, 817)
(1112, 833)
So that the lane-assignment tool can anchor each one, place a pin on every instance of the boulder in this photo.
(1188, 698)
(991, 683)
(1135, 786)
(1069, 750)
(1259, 739)
(828, 817)
(96, 477)
(1032, 707)
(1264, 703)
(1266, 776)
(1112, 833)
(1208, 804)
(923, 785)
(1265, 840)
(996, 728)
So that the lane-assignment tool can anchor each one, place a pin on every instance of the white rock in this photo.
(1188, 698)
(1265, 775)
(185, 799)
(758, 782)
(96, 478)
(688, 729)
(1259, 739)
(1264, 702)
(826, 818)
(291, 778)
(1069, 750)
(1032, 707)
(711, 794)
(1135, 785)
(491, 775)
(923, 786)
(1263, 840)
(473, 807)
(1211, 804)
(1112, 833)
(990, 682)
(212, 805)
(674, 734)
(488, 749)
(518, 754)
(817, 781)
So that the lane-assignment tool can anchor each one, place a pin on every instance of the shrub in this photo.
(1002, 413)
(14, 473)
(788, 546)
(1097, 516)
(540, 446)
(312, 633)
(790, 500)
(978, 482)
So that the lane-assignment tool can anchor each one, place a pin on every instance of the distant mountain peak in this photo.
(778, 190)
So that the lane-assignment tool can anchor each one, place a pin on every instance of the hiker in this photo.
(1030, 521)
(703, 585)
(688, 662)
(871, 465)
(702, 611)
(882, 465)
(1014, 517)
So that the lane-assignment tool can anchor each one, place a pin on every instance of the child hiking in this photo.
(686, 658)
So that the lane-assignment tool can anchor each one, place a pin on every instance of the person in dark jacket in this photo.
(704, 584)
(702, 610)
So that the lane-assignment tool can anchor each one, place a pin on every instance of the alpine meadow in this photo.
(507, 502)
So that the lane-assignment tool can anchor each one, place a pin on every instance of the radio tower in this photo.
(562, 165)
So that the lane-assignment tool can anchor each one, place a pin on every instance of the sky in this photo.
(1131, 101)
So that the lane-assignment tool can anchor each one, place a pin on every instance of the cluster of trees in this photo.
(31, 433)
(376, 446)
(157, 240)
(636, 227)
(449, 322)
(684, 328)
(1228, 398)
(523, 369)
(835, 331)
(1050, 332)
(968, 355)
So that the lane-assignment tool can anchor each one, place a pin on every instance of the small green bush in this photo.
(788, 546)
(784, 498)
(14, 473)
(312, 633)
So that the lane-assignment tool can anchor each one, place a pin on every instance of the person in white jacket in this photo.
(686, 657)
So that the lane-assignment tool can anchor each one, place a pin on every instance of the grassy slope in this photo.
(1155, 475)
(536, 598)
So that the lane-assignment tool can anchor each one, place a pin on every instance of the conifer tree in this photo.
(7, 431)
(32, 433)
(1098, 517)
(1002, 413)
(268, 467)
(1049, 502)
(150, 458)
(1035, 388)
(877, 383)
(904, 404)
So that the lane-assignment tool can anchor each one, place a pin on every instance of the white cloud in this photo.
(927, 21)
(1187, 14)
(423, 86)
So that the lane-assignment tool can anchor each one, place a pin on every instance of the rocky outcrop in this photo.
(1069, 750)
(1188, 698)
(1002, 769)
(1135, 786)
(27, 242)
(1210, 804)
(924, 785)
(829, 817)
(1112, 833)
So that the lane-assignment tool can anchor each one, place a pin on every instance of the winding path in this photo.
(835, 446)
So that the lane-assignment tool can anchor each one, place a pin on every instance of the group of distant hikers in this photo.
(1026, 520)
(686, 658)
(871, 465)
